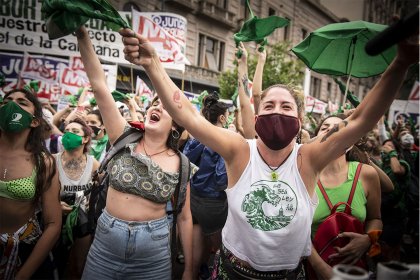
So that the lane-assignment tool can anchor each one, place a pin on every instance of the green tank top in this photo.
(341, 194)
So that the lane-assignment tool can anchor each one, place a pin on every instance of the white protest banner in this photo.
(143, 89)
(10, 65)
(314, 105)
(405, 108)
(167, 46)
(23, 29)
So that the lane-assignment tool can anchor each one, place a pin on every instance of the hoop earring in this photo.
(299, 137)
(175, 134)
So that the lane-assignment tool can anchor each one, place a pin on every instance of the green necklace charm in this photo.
(274, 176)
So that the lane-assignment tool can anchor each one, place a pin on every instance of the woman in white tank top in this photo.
(75, 169)
(271, 179)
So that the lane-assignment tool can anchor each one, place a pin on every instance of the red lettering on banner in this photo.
(36, 65)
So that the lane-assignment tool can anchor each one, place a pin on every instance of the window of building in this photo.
(211, 53)
(286, 31)
(244, 11)
(129, 6)
(271, 12)
(223, 4)
(304, 33)
(315, 87)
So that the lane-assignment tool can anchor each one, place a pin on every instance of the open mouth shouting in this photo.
(154, 117)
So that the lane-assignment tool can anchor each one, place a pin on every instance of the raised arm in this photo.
(248, 120)
(231, 146)
(258, 77)
(345, 134)
(113, 121)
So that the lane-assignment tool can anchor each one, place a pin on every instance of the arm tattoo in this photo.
(177, 98)
(335, 129)
(245, 83)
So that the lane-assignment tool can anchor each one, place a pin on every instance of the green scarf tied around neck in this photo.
(96, 150)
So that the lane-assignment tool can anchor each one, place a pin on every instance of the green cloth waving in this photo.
(63, 17)
(119, 96)
(256, 29)
(99, 146)
(350, 96)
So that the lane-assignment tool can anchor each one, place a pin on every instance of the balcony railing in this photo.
(220, 15)
(185, 4)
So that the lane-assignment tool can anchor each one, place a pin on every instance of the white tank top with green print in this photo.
(269, 219)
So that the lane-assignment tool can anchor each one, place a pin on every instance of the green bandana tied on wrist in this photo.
(64, 17)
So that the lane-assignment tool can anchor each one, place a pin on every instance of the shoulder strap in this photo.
(130, 136)
(184, 174)
(355, 180)
(324, 194)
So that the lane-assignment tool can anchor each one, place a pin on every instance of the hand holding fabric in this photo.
(355, 249)
(137, 49)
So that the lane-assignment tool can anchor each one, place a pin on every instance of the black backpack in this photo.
(97, 200)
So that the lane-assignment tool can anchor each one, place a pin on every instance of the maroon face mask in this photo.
(276, 130)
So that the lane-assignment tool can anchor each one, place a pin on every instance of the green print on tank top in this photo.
(270, 205)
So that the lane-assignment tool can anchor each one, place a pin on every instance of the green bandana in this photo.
(97, 149)
(71, 221)
(119, 96)
(92, 102)
(256, 29)
(13, 118)
(199, 100)
(63, 17)
(71, 141)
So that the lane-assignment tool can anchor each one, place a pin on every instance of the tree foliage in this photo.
(279, 68)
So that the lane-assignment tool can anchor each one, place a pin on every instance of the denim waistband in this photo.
(112, 221)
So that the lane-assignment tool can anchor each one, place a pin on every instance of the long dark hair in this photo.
(35, 145)
(213, 108)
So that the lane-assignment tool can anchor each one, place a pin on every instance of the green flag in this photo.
(350, 96)
(256, 29)
(63, 17)
(72, 100)
(199, 99)
(119, 96)
(235, 97)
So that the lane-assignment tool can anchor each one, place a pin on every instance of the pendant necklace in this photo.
(144, 148)
(273, 174)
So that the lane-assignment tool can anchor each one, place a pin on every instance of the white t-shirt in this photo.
(269, 222)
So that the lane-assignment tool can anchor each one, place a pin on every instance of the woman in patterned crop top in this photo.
(132, 237)
(28, 185)
(270, 179)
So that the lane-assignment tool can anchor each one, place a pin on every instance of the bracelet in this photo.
(375, 247)
(393, 153)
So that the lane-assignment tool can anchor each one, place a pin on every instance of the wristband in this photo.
(375, 247)
(393, 153)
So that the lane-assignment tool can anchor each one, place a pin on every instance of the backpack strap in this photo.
(353, 187)
(351, 195)
(179, 199)
(324, 194)
(129, 136)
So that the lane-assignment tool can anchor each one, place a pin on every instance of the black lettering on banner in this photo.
(19, 9)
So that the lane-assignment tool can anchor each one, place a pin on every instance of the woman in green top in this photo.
(28, 185)
(337, 178)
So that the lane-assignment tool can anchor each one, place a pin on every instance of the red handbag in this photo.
(326, 237)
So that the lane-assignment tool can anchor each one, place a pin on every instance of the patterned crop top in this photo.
(19, 189)
(134, 173)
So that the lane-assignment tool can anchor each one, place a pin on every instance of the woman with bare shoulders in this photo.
(28, 185)
(271, 180)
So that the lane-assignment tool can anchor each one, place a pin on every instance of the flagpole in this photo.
(183, 79)
(132, 78)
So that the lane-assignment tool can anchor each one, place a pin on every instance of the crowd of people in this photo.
(256, 194)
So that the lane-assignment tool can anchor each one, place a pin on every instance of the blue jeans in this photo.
(129, 250)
